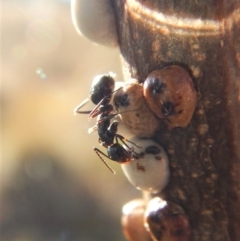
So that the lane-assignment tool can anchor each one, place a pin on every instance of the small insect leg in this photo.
(95, 110)
(98, 152)
(123, 140)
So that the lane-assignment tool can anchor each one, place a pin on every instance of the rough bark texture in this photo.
(203, 37)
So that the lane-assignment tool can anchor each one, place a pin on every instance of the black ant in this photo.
(101, 94)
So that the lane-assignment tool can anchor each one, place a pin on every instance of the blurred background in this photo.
(53, 186)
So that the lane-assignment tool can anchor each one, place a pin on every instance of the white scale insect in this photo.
(95, 20)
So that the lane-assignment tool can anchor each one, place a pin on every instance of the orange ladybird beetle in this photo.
(167, 221)
(171, 95)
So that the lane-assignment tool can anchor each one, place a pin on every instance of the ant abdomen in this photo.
(119, 154)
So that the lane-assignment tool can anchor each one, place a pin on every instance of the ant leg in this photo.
(106, 164)
(82, 112)
(109, 117)
(76, 110)
(95, 110)
(104, 108)
(124, 140)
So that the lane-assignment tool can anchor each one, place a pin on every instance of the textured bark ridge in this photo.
(204, 38)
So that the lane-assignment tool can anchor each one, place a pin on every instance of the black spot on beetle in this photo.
(121, 100)
(167, 108)
(152, 150)
(157, 86)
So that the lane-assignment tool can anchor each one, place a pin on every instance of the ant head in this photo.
(102, 86)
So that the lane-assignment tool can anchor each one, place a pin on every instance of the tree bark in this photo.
(203, 37)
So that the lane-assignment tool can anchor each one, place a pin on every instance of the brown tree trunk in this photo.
(204, 37)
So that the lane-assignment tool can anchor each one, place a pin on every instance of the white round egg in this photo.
(150, 170)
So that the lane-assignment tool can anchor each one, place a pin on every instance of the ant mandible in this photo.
(101, 93)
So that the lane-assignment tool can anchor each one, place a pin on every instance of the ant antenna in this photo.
(113, 115)
(76, 110)
(168, 110)
(106, 164)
